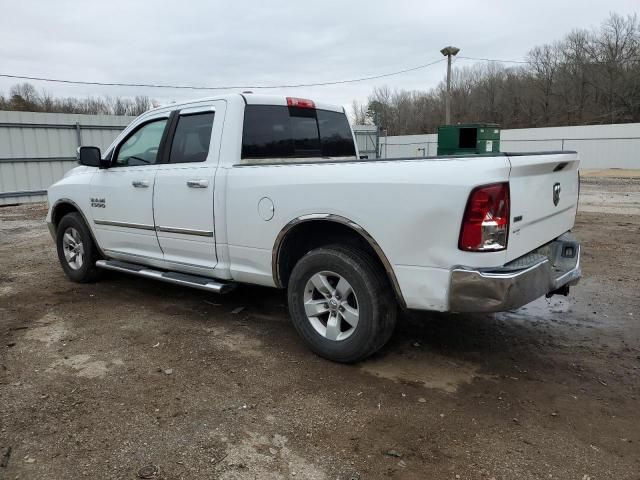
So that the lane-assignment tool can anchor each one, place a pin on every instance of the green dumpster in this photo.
(468, 139)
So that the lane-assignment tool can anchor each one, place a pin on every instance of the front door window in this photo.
(142, 146)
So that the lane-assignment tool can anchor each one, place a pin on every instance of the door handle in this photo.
(201, 183)
(140, 183)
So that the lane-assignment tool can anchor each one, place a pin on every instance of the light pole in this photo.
(448, 52)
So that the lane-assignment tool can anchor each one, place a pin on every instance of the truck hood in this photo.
(77, 170)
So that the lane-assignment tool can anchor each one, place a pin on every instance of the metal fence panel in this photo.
(409, 146)
(36, 149)
(367, 138)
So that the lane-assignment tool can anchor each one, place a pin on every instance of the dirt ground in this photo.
(612, 173)
(102, 380)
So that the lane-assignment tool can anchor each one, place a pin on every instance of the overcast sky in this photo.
(212, 43)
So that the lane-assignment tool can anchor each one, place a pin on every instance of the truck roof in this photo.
(253, 99)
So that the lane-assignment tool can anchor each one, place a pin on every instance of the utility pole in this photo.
(448, 52)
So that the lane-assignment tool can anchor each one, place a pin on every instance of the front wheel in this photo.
(76, 250)
(341, 303)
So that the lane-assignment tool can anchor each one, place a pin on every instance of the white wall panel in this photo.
(29, 139)
(598, 146)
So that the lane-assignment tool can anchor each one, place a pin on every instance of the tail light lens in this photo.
(485, 226)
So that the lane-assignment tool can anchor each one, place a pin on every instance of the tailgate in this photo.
(544, 198)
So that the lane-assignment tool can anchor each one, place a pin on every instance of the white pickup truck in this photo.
(271, 190)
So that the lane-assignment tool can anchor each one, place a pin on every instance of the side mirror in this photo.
(89, 156)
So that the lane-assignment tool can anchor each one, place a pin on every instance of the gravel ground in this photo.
(103, 380)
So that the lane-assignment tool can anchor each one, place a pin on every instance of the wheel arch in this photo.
(64, 206)
(299, 229)
(61, 208)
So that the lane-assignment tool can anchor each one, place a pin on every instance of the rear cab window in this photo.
(284, 134)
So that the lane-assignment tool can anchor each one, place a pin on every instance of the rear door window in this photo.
(279, 132)
(192, 138)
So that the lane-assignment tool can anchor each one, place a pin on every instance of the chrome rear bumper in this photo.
(550, 269)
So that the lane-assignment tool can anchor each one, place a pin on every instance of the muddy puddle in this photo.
(423, 368)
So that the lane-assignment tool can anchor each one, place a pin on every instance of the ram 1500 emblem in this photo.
(556, 194)
(98, 202)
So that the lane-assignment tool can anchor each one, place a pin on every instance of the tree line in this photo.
(588, 77)
(25, 97)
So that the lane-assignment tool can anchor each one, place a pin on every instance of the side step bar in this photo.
(194, 281)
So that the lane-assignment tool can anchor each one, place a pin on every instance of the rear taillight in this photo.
(485, 225)
(300, 102)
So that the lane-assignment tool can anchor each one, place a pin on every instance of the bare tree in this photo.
(587, 77)
(25, 97)
(359, 114)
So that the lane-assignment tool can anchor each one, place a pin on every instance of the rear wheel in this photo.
(76, 250)
(341, 303)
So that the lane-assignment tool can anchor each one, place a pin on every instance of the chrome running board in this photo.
(193, 281)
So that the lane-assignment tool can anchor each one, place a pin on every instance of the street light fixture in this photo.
(448, 52)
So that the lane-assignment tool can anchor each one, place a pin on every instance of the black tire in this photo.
(87, 271)
(376, 303)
